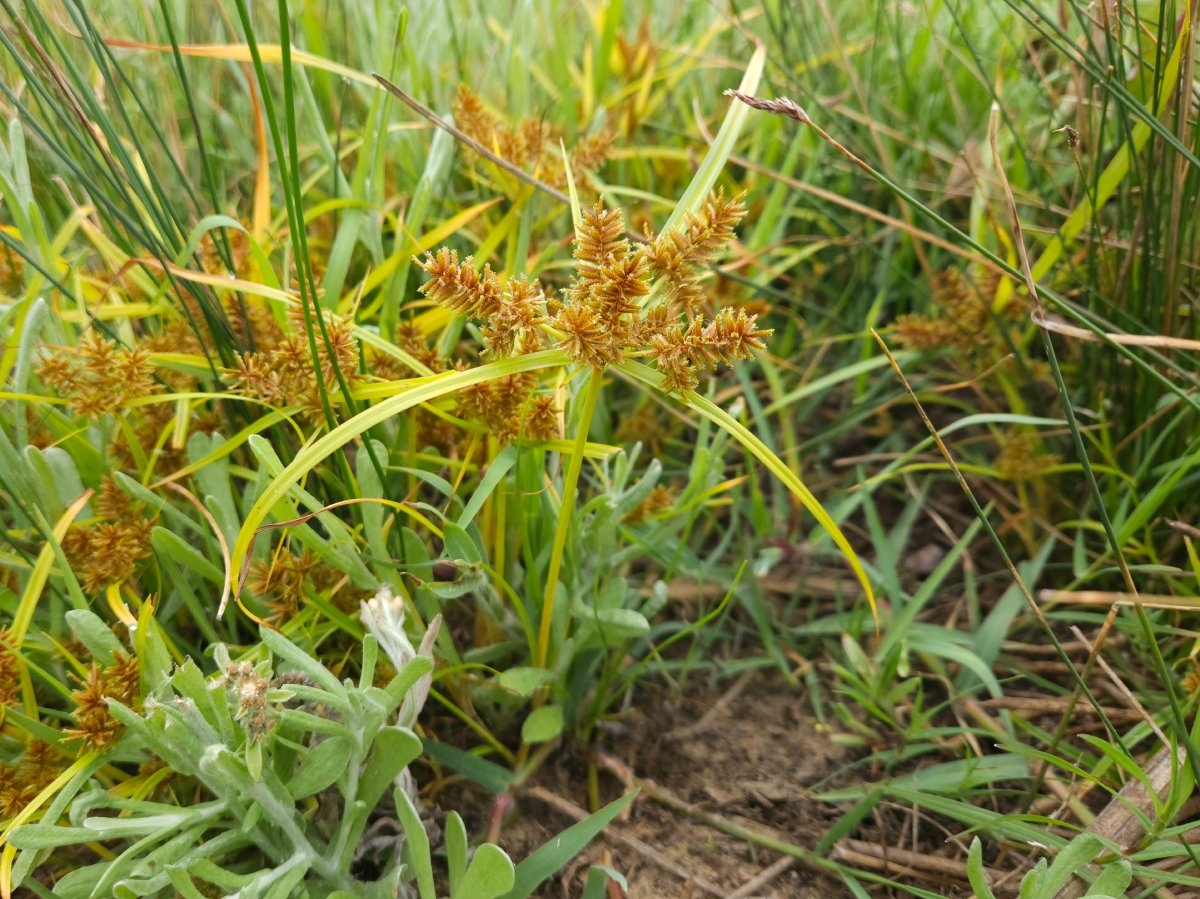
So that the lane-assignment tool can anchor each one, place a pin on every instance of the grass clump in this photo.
(228, 427)
(274, 348)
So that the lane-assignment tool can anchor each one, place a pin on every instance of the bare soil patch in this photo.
(745, 756)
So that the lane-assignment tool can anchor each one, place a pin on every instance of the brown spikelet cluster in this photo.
(147, 432)
(602, 318)
(98, 376)
(460, 287)
(15, 791)
(10, 670)
(238, 244)
(1020, 457)
(588, 155)
(250, 691)
(513, 327)
(644, 425)
(637, 52)
(730, 335)
(634, 61)
(175, 336)
(473, 117)
(512, 309)
(253, 322)
(94, 724)
(40, 764)
(513, 313)
(622, 302)
(108, 551)
(961, 320)
(1191, 680)
(282, 581)
(598, 319)
(543, 418)
(660, 499)
(101, 377)
(283, 372)
(509, 408)
(12, 271)
(414, 341)
(532, 143)
(676, 253)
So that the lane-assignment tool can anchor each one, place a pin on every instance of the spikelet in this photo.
(100, 377)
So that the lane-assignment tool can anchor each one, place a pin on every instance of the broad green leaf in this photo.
(460, 546)
(154, 659)
(490, 874)
(394, 749)
(80, 883)
(325, 763)
(416, 842)
(497, 470)
(597, 882)
(455, 836)
(48, 836)
(93, 633)
(1113, 881)
(182, 881)
(212, 873)
(372, 513)
(400, 685)
(105, 828)
(607, 627)
(543, 724)
(170, 545)
(1071, 860)
(60, 479)
(976, 873)
(285, 878)
(523, 680)
(191, 684)
(370, 651)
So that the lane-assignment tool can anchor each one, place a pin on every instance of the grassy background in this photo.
(150, 157)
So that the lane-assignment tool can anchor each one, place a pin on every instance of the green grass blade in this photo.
(317, 452)
(770, 461)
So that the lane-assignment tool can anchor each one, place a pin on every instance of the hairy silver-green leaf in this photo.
(324, 764)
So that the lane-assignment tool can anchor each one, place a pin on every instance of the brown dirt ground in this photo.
(746, 754)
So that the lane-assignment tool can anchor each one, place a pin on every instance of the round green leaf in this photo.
(523, 680)
(543, 724)
(490, 874)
